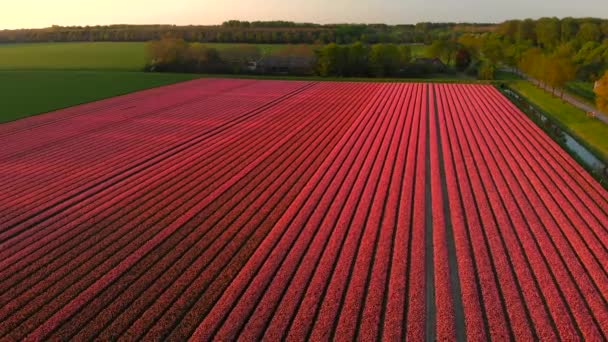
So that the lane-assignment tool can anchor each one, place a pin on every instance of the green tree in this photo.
(526, 31)
(405, 54)
(487, 71)
(384, 60)
(331, 60)
(357, 59)
(509, 29)
(589, 32)
(493, 50)
(472, 43)
(559, 69)
(166, 51)
(604, 29)
(548, 32)
(532, 63)
(569, 28)
(444, 49)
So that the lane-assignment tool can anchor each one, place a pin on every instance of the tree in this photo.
(357, 59)
(331, 60)
(589, 32)
(604, 29)
(601, 93)
(472, 43)
(526, 31)
(532, 63)
(509, 29)
(569, 29)
(166, 51)
(444, 49)
(548, 32)
(487, 71)
(492, 49)
(463, 59)
(384, 60)
(558, 70)
(405, 54)
(200, 58)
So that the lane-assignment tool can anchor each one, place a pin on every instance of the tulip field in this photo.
(225, 209)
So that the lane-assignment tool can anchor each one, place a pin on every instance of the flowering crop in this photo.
(224, 209)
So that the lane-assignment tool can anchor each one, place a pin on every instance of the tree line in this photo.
(376, 60)
(551, 50)
(330, 60)
(234, 31)
(177, 55)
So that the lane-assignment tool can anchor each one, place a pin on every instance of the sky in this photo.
(44, 13)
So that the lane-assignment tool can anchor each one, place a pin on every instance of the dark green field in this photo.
(24, 93)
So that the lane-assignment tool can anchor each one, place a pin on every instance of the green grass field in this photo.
(592, 131)
(25, 93)
(72, 56)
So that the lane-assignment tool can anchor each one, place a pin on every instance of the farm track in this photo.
(239, 209)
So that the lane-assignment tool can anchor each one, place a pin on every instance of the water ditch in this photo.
(585, 156)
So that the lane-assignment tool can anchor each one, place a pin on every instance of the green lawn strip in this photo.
(25, 93)
(591, 132)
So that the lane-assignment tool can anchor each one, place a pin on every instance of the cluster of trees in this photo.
(551, 50)
(549, 33)
(359, 59)
(235, 31)
(266, 24)
(554, 69)
(601, 93)
(177, 55)
(548, 48)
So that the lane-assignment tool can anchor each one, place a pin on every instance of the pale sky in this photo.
(44, 13)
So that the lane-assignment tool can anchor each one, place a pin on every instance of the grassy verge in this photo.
(574, 121)
(25, 93)
(582, 90)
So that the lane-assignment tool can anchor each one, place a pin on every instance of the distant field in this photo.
(25, 93)
(592, 131)
(72, 56)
